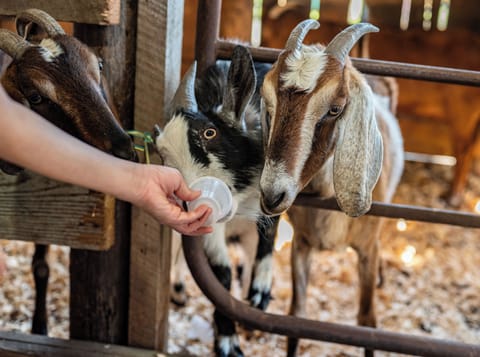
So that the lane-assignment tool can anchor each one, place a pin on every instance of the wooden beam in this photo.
(99, 12)
(14, 344)
(37, 209)
(99, 281)
(159, 45)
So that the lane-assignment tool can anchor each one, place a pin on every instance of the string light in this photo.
(355, 11)
(443, 14)
(282, 3)
(256, 36)
(314, 9)
(427, 14)
(405, 14)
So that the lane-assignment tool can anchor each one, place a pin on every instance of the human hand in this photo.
(159, 186)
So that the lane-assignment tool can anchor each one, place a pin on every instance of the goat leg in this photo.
(300, 259)
(259, 293)
(41, 273)
(226, 342)
(367, 270)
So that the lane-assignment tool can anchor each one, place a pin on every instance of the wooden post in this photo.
(159, 45)
(99, 280)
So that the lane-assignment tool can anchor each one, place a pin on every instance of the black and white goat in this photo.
(60, 78)
(215, 130)
(328, 133)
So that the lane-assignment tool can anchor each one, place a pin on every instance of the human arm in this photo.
(32, 142)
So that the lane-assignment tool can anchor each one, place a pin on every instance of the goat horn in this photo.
(298, 34)
(185, 95)
(42, 19)
(12, 44)
(341, 45)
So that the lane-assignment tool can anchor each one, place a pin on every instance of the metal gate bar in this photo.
(224, 50)
(391, 210)
(315, 330)
(207, 49)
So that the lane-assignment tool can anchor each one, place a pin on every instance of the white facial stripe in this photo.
(173, 146)
(49, 49)
(304, 68)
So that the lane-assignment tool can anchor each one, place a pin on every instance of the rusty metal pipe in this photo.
(208, 20)
(316, 330)
(384, 68)
(390, 210)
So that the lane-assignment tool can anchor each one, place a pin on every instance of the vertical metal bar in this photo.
(208, 28)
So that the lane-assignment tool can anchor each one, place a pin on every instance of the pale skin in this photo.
(32, 142)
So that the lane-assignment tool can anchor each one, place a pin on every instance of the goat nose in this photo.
(122, 147)
(271, 201)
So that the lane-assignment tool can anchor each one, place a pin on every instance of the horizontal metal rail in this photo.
(316, 330)
(390, 210)
(384, 68)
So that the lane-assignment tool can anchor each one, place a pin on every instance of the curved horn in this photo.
(185, 95)
(41, 18)
(12, 44)
(341, 45)
(298, 34)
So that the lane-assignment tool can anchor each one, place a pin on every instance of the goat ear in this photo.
(359, 152)
(240, 85)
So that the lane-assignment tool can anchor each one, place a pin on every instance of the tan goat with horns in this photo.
(329, 134)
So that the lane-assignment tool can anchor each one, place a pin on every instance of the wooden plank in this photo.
(157, 76)
(34, 208)
(14, 344)
(99, 280)
(99, 12)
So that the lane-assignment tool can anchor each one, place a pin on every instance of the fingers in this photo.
(185, 193)
(196, 227)
(200, 214)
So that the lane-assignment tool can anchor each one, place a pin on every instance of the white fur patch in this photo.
(263, 274)
(50, 50)
(304, 68)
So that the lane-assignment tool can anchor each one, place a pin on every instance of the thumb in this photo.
(184, 193)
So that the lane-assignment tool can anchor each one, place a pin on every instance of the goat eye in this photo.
(335, 110)
(100, 64)
(209, 134)
(35, 98)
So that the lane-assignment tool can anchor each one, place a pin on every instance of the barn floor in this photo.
(431, 287)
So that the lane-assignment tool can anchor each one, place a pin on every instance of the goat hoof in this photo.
(228, 346)
(259, 299)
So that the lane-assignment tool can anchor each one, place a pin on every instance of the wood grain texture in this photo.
(34, 208)
(99, 12)
(100, 280)
(14, 344)
(159, 44)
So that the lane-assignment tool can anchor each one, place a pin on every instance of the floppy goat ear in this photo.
(359, 152)
(240, 86)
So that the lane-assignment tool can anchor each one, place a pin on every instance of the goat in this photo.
(59, 78)
(327, 133)
(215, 130)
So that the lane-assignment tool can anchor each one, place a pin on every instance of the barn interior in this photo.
(431, 285)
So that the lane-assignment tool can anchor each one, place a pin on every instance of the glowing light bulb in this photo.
(285, 234)
(408, 254)
(401, 225)
(477, 207)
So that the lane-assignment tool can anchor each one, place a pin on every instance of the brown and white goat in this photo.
(59, 78)
(328, 134)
